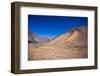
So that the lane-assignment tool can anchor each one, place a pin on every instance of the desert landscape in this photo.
(69, 45)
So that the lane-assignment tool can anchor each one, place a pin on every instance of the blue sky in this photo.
(51, 26)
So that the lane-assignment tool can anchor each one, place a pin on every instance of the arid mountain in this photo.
(75, 37)
(36, 39)
(70, 45)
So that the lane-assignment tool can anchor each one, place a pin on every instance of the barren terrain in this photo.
(69, 45)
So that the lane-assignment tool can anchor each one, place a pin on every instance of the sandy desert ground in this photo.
(56, 52)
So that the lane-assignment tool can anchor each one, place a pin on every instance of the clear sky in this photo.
(51, 26)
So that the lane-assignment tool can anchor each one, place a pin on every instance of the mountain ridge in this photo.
(36, 39)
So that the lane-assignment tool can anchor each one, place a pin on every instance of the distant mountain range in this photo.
(36, 39)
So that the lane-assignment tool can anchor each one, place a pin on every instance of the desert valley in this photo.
(70, 45)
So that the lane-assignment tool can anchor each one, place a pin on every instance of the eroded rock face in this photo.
(75, 37)
(78, 37)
